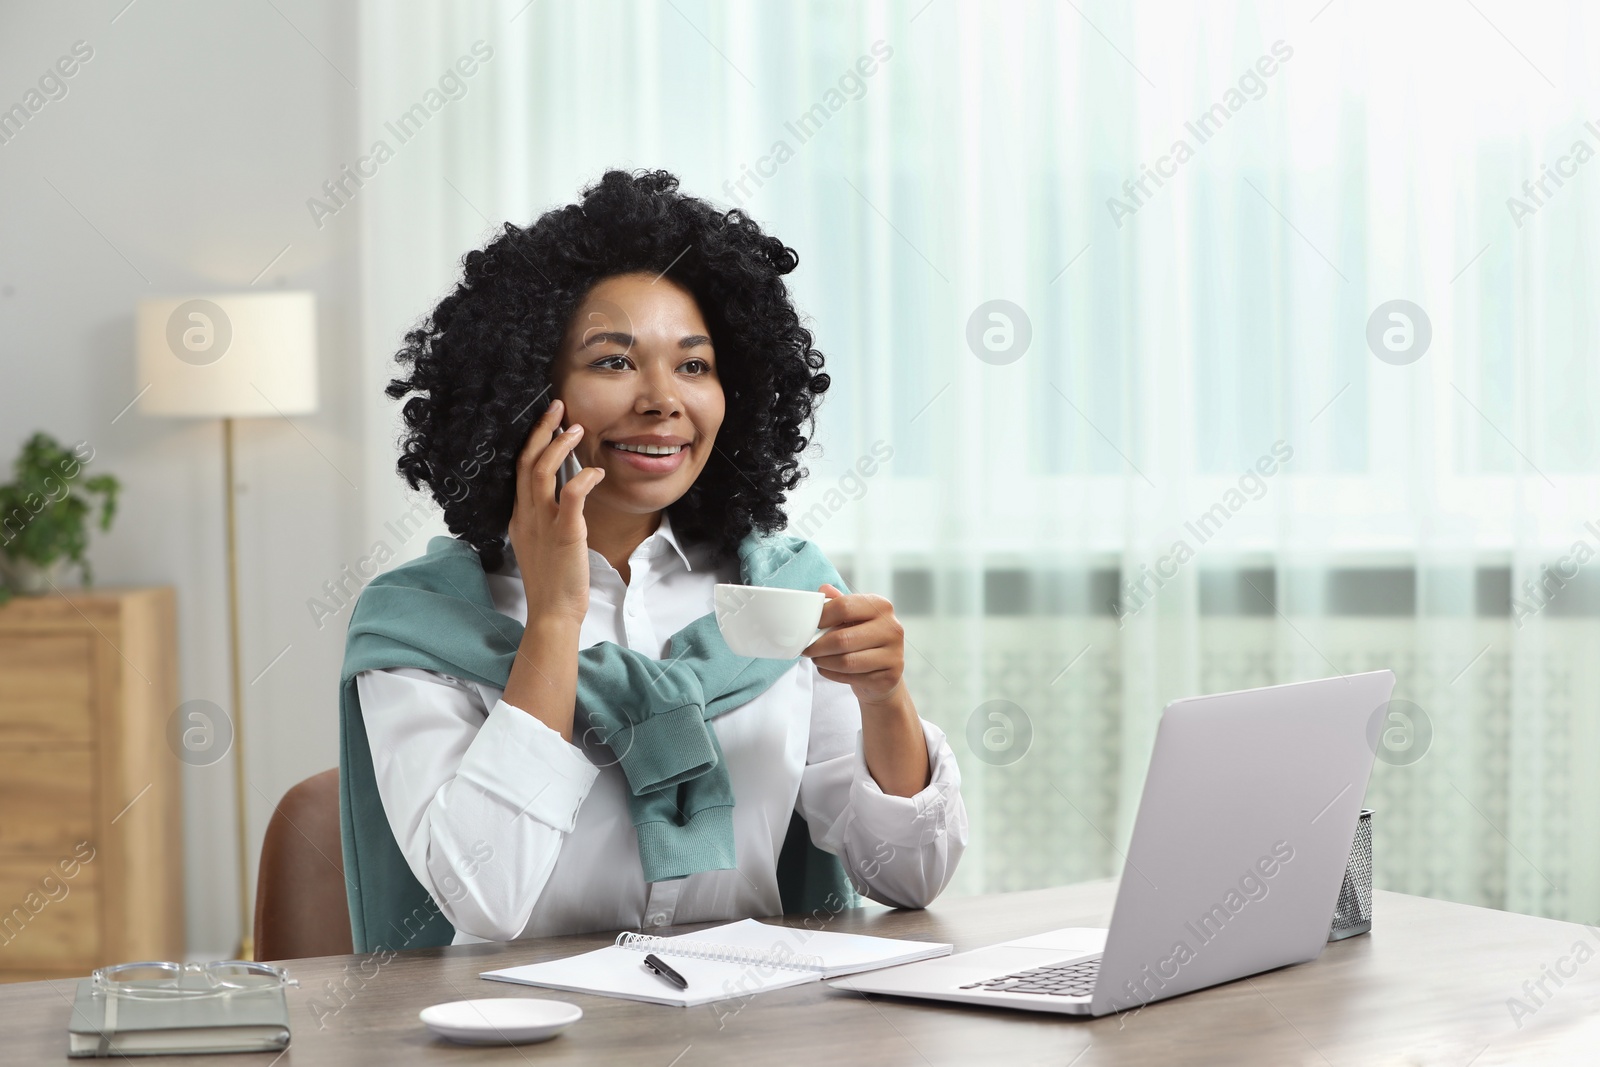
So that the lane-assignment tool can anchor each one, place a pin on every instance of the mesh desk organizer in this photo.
(1353, 913)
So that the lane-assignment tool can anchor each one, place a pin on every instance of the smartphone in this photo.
(569, 469)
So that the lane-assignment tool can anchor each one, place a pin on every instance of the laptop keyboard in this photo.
(1074, 979)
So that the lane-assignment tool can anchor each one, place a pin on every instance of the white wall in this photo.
(181, 160)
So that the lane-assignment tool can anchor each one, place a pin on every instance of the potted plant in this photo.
(44, 516)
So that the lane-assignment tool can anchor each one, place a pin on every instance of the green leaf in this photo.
(45, 509)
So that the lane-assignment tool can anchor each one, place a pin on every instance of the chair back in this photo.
(301, 907)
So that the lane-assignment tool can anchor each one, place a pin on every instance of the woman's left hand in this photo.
(865, 648)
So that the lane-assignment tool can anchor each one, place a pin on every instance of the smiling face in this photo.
(637, 371)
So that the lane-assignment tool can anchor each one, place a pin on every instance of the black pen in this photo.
(656, 964)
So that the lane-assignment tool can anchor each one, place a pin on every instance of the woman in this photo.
(650, 336)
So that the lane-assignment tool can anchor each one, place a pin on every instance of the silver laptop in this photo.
(1238, 852)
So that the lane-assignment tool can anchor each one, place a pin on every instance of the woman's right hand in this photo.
(550, 539)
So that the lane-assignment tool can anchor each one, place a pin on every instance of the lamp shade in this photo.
(234, 354)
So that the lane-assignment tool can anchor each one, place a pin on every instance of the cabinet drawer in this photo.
(46, 687)
(38, 932)
(46, 798)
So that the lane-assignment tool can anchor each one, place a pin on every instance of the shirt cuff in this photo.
(917, 820)
(523, 763)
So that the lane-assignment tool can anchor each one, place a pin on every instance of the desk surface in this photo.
(1430, 985)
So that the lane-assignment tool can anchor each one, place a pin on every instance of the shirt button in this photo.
(633, 609)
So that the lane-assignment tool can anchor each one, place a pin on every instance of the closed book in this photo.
(118, 1025)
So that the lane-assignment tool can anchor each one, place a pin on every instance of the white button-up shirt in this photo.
(517, 832)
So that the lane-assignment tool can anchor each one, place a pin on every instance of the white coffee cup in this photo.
(768, 623)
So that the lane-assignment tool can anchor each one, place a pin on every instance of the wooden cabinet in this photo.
(91, 834)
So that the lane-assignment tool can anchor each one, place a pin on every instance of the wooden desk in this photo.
(1428, 986)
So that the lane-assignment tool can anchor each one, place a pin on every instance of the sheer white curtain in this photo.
(1199, 474)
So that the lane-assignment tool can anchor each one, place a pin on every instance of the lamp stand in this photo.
(246, 923)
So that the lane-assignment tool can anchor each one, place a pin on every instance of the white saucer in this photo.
(501, 1020)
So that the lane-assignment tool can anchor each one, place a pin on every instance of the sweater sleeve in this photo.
(480, 801)
(899, 851)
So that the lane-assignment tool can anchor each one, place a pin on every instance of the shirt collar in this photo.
(663, 534)
(664, 531)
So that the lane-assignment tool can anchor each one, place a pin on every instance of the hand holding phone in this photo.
(550, 544)
(546, 529)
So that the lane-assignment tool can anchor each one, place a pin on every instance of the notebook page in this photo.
(841, 953)
(620, 972)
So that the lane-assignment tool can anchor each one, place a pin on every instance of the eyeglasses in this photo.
(168, 981)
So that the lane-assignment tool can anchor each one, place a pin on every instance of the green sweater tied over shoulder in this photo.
(435, 613)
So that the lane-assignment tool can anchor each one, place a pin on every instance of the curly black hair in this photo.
(481, 362)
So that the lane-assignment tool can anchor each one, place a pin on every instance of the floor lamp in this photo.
(230, 356)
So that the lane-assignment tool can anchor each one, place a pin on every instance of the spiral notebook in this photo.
(735, 960)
